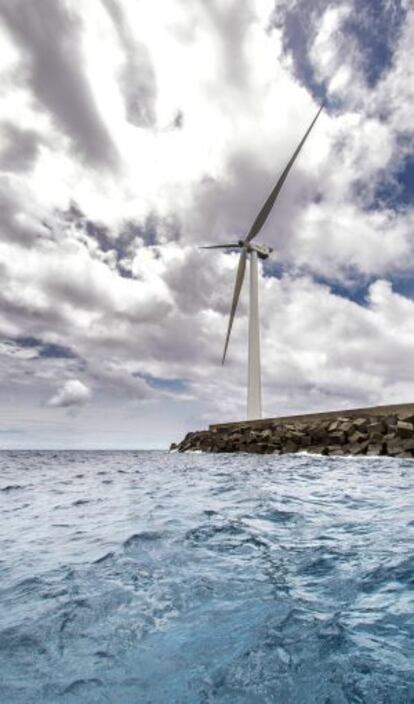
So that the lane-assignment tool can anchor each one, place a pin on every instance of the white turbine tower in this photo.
(253, 251)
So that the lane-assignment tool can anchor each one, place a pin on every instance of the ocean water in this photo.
(148, 577)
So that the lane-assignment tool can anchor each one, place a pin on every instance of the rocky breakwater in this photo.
(352, 433)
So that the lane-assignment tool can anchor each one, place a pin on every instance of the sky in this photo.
(132, 133)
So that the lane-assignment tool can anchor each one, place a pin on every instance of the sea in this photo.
(157, 578)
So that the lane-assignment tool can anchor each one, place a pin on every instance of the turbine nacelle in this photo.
(263, 250)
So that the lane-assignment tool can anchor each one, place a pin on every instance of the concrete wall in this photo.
(397, 409)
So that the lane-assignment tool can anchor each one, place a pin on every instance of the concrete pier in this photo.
(375, 430)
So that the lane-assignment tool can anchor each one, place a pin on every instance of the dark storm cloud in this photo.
(30, 319)
(14, 227)
(123, 245)
(227, 208)
(137, 76)
(375, 26)
(369, 32)
(48, 35)
(299, 25)
(155, 229)
(178, 121)
(231, 21)
(396, 188)
(20, 148)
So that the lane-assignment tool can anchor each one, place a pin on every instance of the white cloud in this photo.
(72, 393)
(119, 294)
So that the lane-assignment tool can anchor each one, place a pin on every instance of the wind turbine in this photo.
(253, 252)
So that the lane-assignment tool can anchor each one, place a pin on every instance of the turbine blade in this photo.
(267, 207)
(220, 246)
(236, 294)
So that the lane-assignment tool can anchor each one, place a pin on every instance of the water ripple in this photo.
(152, 578)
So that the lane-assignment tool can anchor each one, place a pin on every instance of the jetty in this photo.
(376, 430)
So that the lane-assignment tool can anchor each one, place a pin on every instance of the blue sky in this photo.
(127, 140)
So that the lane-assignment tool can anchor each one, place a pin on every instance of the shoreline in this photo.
(373, 431)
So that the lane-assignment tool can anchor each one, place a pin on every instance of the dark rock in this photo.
(378, 428)
(290, 446)
(375, 449)
(334, 426)
(393, 447)
(358, 448)
(264, 448)
(235, 437)
(408, 417)
(335, 450)
(360, 423)
(265, 434)
(320, 436)
(356, 437)
(376, 438)
(296, 437)
(337, 438)
(404, 429)
(391, 423)
(305, 441)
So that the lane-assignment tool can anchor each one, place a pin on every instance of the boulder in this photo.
(358, 448)
(260, 448)
(407, 445)
(375, 449)
(295, 437)
(306, 441)
(393, 447)
(360, 423)
(235, 437)
(316, 450)
(391, 423)
(320, 436)
(404, 429)
(407, 416)
(333, 426)
(356, 437)
(290, 446)
(337, 438)
(265, 434)
(335, 450)
(376, 428)
(376, 438)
